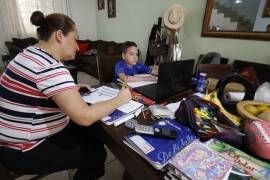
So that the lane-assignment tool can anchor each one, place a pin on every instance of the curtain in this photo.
(15, 17)
(26, 7)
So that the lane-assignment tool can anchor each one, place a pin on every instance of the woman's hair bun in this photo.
(37, 18)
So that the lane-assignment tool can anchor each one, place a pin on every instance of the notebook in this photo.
(138, 83)
(158, 151)
(173, 78)
(199, 162)
(122, 113)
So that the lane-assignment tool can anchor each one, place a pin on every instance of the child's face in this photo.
(131, 56)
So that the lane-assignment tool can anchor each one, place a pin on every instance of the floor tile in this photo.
(25, 177)
(114, 170)
(62, 175)
(85, 78)
(110, 156)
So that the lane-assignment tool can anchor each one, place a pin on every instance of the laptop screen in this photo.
(174, 77)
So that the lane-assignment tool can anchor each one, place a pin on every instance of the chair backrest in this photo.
(12, 49)
(214, 70)
(206, 59)
(106, 64)
(262, 70)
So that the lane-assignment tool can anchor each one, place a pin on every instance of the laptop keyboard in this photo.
(148, 90)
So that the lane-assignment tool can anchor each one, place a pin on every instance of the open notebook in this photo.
(138, 83)
(122, 113)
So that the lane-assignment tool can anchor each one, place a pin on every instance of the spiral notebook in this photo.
(122, 113)
(158, 151)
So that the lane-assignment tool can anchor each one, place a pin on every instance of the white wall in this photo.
(83, 12)
(134, 20)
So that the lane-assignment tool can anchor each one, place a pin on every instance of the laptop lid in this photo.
(173, 78)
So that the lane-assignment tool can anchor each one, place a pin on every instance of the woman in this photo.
(38, 97)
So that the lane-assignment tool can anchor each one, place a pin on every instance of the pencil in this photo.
(143, 115)
(122, 84)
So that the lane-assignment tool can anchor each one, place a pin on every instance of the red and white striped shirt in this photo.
(28, 115)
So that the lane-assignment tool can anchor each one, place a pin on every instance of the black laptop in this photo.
(173, 78)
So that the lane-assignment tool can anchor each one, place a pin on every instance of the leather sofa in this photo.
(101, 64)
(17, 45)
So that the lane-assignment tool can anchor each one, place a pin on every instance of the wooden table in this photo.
(136, 166)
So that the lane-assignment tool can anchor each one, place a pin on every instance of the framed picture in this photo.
(100, 4)
(111, 9)
(266, 11)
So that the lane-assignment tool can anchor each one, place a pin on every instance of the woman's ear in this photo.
(59, 35)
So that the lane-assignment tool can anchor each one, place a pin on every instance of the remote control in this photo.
(155, 132)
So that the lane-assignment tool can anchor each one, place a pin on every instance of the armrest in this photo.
(106, 65)
(12, 49)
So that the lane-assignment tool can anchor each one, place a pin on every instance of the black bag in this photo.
(155, 47)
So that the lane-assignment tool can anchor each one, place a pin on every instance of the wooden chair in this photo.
(215, 70)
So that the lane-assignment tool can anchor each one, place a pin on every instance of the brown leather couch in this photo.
(17, 45)
(100, 65)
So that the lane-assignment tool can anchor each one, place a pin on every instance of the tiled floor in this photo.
(114, 169)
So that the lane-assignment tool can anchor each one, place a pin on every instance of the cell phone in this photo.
(155, 132)
(84, 91)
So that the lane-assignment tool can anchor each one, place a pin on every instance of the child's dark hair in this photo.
(53, 22)
(127, 45)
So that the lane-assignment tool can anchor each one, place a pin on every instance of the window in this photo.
(27, 7)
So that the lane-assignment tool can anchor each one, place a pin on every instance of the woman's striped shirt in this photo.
(28, 115)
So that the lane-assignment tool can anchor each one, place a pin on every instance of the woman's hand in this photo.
(124, 95)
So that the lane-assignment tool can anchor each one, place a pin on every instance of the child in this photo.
(129, 66)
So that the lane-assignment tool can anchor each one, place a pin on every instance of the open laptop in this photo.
(173, 78)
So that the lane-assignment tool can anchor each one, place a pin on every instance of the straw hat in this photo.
(174, 17)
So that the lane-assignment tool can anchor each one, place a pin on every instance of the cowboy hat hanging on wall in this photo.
(173, 20)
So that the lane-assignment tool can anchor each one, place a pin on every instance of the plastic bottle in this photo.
(201, 84)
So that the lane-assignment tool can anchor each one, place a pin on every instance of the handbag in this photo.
(156, 47)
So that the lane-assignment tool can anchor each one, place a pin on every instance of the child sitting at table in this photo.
(128, 66)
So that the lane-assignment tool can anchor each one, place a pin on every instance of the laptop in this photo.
(173, 78)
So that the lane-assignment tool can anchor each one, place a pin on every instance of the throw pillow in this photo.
(83, 47)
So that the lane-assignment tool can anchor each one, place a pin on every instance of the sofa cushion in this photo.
(112, 46)
(24, 43)
(102, 46)
(119, 48)
(83, 47)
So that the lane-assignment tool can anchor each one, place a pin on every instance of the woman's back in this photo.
(28, 114)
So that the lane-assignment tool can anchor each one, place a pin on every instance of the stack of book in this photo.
(158, 151)
(122, 113)
(199, 162)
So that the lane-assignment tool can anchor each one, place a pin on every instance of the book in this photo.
(135, 84)
(158, 151)
(199, 162)
(141, 98)
(249, 166)
(122, 113)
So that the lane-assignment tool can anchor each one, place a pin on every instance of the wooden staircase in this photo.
(243, 23)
